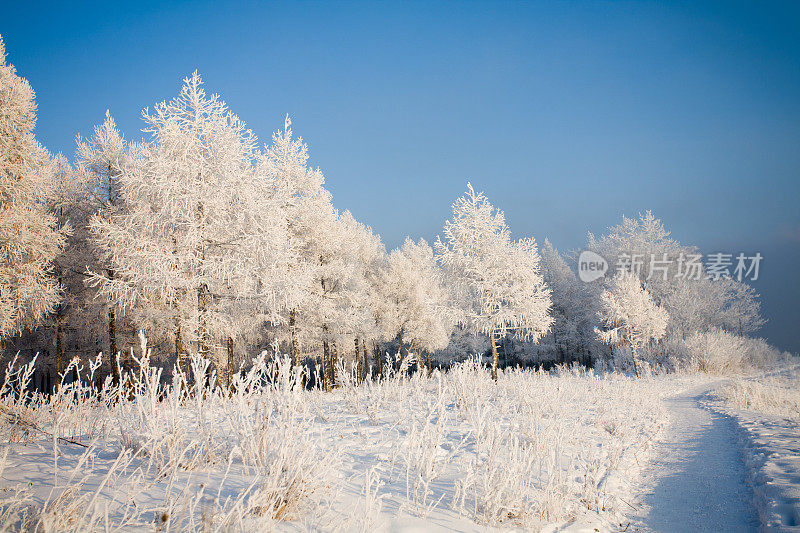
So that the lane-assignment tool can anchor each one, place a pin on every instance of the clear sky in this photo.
(567, 114)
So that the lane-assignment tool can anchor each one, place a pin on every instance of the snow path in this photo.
(698, 481)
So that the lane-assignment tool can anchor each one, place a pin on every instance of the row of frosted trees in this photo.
(214, 244)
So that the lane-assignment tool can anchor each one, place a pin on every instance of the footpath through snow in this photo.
(698, 480)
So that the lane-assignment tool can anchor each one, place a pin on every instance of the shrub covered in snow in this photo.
(779, 395)
(719, 352)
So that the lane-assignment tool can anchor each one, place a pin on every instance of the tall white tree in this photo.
(574, 307)
(415, 305)
(202, 234)
(99, 163)
(630, 316)
(72, 321)
(334, 259)
(30, 238)
(675, 277)
(500, 280)
(309, 218)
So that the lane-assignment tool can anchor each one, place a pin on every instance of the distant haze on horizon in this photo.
(567, 115)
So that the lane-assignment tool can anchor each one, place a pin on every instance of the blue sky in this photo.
(566, 114)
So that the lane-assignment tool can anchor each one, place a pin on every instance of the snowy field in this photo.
(451, 451)
(767, 413)
(569, 449)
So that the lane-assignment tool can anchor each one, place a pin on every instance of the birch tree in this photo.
(500, 281)
(201, 233)
(676, 279)
(414, 301)
(574, 307)
(99, 163)
(630, 316)
(30, 237)
(309, 216)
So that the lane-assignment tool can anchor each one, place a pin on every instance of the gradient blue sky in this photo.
(566, 114)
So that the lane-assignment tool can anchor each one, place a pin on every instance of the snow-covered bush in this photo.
(771, 395)
(212, 456)
(719, 352)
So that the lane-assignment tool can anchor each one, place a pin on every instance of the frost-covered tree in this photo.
(630, 316)
(501, 287)
(71, 318)
(738, 308)
(202, 236)
(643, 246)
(337, 306)
(308, 216)
(574, 309)
(333, 259)
(675, 277)
(366, 254)
(415, 302)
(30, 238)
(100, 161)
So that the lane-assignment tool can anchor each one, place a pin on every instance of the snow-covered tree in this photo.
(415, 302)
(334, 260)
(501, 287)
(630, 316)
(675, 277)
(574, 308)
(201, 236)
(366, 254)
(337, 306)
(643, 246)
(30, 238)
(99, 163)
(738, 309)
(308, 216)
(71, 318)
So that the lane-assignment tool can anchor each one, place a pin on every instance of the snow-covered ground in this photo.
(565, 450)
(730, 459)
(449, 451)
(766, 411)
(697, 481)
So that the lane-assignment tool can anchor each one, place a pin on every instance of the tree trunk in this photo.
(494, 353)
(365, 354)
(326, 375)
(334, 361)
(180, 354)
(112, 345)
(295, 344)
(358, 363)
(60, 320)
(202, 291)
(202, 331)
(400, 342)
(230, 363)
(428, 360)
(378, 359)
(635, 363)
(59, 342)
(112, 338)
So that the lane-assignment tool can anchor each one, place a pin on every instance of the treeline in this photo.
(211, 243)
